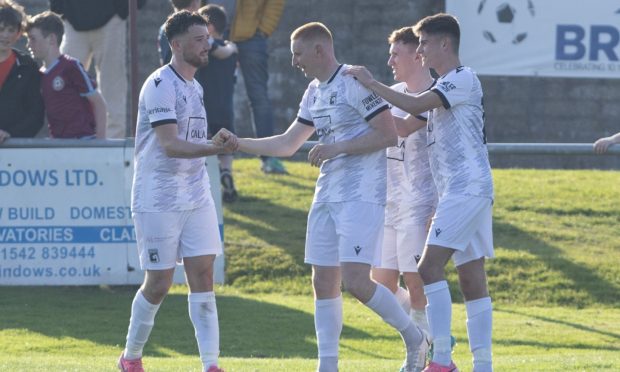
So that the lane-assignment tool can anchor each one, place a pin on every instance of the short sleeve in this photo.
(84, 84)
(303, 115)
(454, 88)
(160, 101)
(366, 102)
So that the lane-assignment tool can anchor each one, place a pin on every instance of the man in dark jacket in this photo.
(97, 30)
(21, 105)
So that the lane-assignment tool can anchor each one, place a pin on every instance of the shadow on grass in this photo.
(248, 328)
(579, 284)
(281, 228)
(577, 326)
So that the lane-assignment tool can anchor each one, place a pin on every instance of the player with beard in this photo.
(173, 209)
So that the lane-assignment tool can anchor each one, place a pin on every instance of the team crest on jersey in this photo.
(332, 98)
(58, 83)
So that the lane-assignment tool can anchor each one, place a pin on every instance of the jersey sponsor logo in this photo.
(158, 110)
(357, 249)
(154, 255)
(371, 101)
(157, 81)
(197, 133)
(447, 86)
(397, 152)
(58, 83)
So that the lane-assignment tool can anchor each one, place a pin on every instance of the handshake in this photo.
(226, 140)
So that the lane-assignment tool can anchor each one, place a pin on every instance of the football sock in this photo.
(479, 327)
(328, 326)
(203, 313)
(384, 303)
(140, 326)
(439, 315)
(419, 318)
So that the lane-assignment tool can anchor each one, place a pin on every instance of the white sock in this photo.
(439, 314)
(140, 325)
(479, 327)
(203, 313)
(328, 326)
(385, 304)
(419, 318)
(402, 295)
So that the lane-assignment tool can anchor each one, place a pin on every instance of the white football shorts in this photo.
(463, 223)
(402, 248)
(344, 232)
(164, 238)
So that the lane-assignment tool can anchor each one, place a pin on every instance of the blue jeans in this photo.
(253, 59)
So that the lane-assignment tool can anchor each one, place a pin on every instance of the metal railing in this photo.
(494, 148)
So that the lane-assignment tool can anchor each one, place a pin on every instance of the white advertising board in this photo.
(555, 38)
(65, 217)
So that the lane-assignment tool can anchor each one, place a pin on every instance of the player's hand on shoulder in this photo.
(602, 144)
(360, 73)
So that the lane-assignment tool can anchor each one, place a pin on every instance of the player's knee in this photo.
(430, 273)
(155, 291)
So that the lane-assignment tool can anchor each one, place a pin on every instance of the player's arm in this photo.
(225, 51)
(382, 135)
(99, 111)
(167, 136)
(414, 105)
(602, 144)
(281, 145)
(406, 126)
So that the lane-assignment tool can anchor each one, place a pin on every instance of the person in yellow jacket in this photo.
(254, 21)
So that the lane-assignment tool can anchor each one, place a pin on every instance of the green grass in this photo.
(555, 283)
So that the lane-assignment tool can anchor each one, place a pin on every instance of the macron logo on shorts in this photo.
(437, 232)
(358, 249)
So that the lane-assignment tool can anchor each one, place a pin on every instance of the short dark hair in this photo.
(12, 14)
(49, 23)
(181, 4)
(405, 35)
(215, 15)
(441, 23)
(178, 23)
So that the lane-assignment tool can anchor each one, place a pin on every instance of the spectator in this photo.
(73, 106)
(602, 144)
(163, 46)
(254, 22)
(97, 30)
(21, 105)
(218, 81)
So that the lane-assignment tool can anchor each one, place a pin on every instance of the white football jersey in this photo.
(162, 183)
(411, 192)
(456, 137)
(339, 109)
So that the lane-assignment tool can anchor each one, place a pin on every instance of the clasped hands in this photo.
(227, 140)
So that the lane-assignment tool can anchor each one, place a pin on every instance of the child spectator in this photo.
(218, 80)
(21, 105)
(73, 106)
